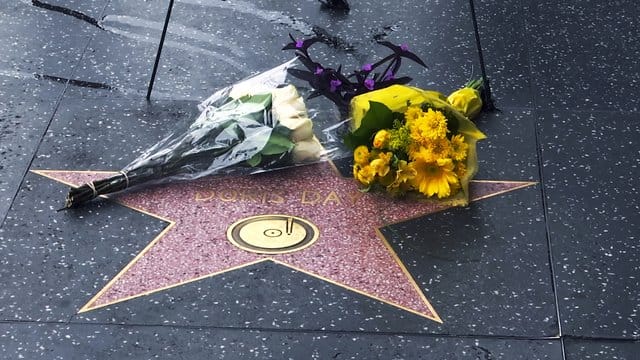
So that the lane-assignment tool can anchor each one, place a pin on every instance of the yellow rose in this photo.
(356, 169)
(381, 164)
(366, 175)
(403, 177)
(381, 139)
(361, 155)
(379, 167)
(467, 101)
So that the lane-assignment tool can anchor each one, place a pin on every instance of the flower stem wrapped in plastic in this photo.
(259, 124)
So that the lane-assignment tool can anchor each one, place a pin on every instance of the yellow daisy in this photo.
(435, 150)
(459, 148)
(430, 126)
(419, 152)
(435, 178)
(440, 148)
(412, 113)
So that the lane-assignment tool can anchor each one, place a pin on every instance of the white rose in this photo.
(287, 101)
(309, 150)
(247, 88)
(301, 128)
(284, 93)
(289, 110)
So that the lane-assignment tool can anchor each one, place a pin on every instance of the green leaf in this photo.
(255, 160)
(249, 106)
(264, 100)
(277, 144)
(378, 117)
(281, 129)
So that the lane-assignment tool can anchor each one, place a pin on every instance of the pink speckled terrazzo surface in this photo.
(348, 252)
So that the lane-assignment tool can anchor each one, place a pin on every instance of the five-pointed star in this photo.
(350, 251)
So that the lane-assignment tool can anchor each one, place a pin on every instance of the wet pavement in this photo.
(545, 265)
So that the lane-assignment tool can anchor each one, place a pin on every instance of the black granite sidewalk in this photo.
(550, 271)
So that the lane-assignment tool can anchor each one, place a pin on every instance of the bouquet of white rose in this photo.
(259, 124)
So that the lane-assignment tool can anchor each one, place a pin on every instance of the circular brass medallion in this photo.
(272, 234)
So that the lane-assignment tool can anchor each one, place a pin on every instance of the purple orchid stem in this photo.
(369, 84)
(334, 84)
(387, 74)
(339, 88)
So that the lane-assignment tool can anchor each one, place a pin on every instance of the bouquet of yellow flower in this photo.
(410, 140)
(404, 139)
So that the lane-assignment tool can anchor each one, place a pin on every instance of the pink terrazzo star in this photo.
(349, 252)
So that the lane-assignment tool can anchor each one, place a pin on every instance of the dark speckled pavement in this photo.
(550, 270)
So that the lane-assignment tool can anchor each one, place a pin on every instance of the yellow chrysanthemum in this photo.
(361, 155)
(419, 152)
(459, 148)
(440, 148)
(412, 113)
(434, 151)
(435, 178)
(432, 125)
(381, 164)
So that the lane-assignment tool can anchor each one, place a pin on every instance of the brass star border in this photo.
(314, 180)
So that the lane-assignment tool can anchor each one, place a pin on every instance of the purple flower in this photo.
(389, 76)
(369, 84)
(367, 67)
(299, 44)
(404, 47)
(334, 84)
(319, 70)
